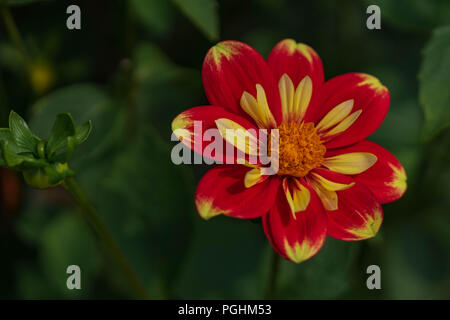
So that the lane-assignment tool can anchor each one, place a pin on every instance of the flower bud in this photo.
(47, 177)
(38, 178)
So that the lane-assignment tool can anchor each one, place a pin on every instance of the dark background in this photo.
(132, 68)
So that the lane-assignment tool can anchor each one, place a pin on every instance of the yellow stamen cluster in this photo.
(300, 148)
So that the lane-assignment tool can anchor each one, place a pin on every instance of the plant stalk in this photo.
(93, 219)
(273, 276)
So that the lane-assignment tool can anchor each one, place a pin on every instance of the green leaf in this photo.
(156, 15)
(21, 134)
(434, 83)
(63, 128)
(151, 61)
(204, 14)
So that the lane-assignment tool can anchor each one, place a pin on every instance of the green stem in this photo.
(273, 276)
(13, 31)
(90, 214)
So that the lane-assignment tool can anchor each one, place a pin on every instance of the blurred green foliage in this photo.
(416, 15)
(434, 80)
(134, 66)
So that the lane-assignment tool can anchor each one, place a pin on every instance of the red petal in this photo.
(183, 127)
(369, 95)
(232, 67)
(296, 239)
(386, 178)
(358, 217)
(222, 191)
(297, 60)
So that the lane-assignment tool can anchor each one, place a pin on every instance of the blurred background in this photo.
(132, 67)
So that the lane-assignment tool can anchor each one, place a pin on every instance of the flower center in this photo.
(300, 149)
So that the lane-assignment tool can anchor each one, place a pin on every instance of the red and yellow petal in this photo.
(297, 195)
(232, 68)
(331, 180)
(222, 191)
(326, 183)
(294, 100)
(258, 108)
(207, 117)
(369, 100)
(255, 176)
(358, 217)
(349, 163)
(386, 179)
(296, 239)
(297, 60)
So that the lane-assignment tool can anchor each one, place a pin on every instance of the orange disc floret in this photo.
(300, 150)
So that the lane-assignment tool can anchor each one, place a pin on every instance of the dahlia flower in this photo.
(330, 181)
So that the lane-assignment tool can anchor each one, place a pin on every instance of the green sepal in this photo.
(21, 134)
(43, 163)
(57, 172)
(82, 132)
(47, 177)
(63, 128)
(38, 178)
(71, 144)
(17, 161)
(11, 158)
(64, 155)
(5, 135)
